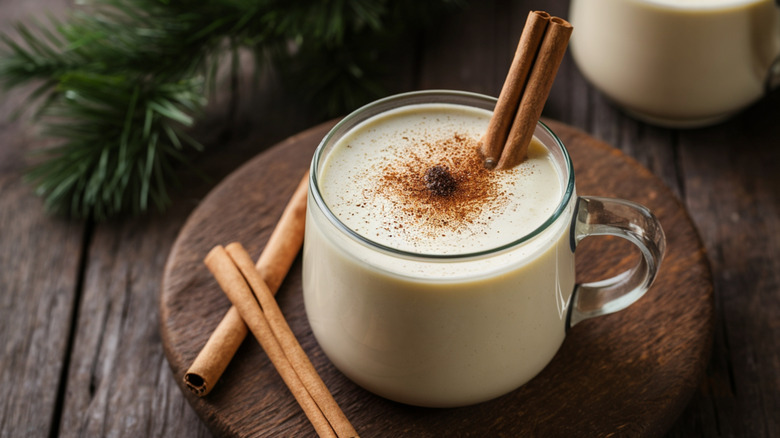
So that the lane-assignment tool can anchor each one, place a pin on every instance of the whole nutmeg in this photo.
(439, 181)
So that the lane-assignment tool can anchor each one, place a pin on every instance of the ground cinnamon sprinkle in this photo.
(442, 185)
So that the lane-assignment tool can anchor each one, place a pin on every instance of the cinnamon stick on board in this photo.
(274, 263)
(235, 287)
(281, 351)
(292, 349)
(528, 108)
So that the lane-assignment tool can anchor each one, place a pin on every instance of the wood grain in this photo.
(39, 275)
(732, 185)
(631, 372)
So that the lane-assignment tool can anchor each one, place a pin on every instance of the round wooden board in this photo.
(627, 374)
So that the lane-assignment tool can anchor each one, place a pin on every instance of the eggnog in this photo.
(423, 268)
(678, 62)
(374, 181)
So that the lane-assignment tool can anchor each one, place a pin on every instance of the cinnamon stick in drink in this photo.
(274, 263)
(556, 38)
(508, 100)
(525, 90)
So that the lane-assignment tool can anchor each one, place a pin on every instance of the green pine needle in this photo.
(120, 81)
(106, 165)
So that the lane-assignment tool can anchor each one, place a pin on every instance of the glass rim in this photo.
(314, 189)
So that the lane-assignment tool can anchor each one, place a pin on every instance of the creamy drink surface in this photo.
(381, 181)
(406, 327)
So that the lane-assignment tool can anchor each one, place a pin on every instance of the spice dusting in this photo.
(442, 185)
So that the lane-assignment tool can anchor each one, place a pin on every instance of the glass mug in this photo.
(678, 63)
(451, 330)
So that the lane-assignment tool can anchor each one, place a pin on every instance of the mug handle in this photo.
(597, 216)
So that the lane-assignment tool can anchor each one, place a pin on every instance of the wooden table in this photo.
(81, 351)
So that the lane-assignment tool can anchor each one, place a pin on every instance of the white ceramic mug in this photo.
(678, 63)
(451, 330)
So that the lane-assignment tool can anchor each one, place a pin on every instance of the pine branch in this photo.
(108, 165)
(121, 80)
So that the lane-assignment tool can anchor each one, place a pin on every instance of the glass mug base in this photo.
(428, 325)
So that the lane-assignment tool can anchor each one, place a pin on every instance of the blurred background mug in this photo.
(678, 63)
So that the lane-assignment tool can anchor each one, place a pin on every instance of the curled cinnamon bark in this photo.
(274, 263)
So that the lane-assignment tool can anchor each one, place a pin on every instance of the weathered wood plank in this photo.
(39, 272)
(733, 193)
(119, 383)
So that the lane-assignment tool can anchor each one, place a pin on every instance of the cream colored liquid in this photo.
(355, 187)
(435, 333)
(677, 62)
